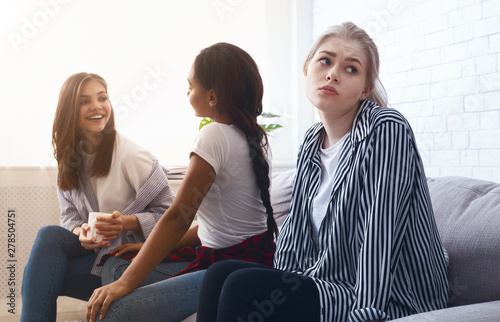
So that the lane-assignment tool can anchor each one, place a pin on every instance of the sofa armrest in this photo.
(480, 312)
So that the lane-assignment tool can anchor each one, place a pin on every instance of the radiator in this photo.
(28, 201)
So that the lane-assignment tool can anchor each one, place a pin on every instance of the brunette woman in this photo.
(99, 170)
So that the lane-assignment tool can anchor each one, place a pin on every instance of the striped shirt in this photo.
(152, 199)
(379, 254)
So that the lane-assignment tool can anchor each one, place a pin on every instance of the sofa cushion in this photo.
(482, 312)
(467, 214)
(191, 318)
(281, 194)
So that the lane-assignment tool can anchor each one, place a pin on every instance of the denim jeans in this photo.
(169, 300)
(58, 265)
(114, 267)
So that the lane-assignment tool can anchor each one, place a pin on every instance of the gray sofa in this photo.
(468, 217)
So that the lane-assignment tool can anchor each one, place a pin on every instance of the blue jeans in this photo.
(58, 265)
(114, 267)
(170, 300)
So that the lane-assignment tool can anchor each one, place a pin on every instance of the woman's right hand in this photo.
(104, 296)
(87, 242)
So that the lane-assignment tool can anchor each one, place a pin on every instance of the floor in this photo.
(69, 310)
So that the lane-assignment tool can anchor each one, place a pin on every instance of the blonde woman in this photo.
(360, 242)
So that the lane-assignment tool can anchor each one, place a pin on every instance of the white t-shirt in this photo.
(130, 169)
(329, 161)
(232, 210)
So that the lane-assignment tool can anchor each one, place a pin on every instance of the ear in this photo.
(212, 97)
(368, 89)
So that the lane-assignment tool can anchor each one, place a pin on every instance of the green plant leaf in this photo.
(266, 127)
(269, 115)
(270, 127)
(204, 122)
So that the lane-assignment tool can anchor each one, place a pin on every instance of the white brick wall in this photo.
(440, 66)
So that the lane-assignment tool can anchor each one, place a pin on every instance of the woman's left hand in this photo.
(113, 227)
(125, 248)
(104, 296)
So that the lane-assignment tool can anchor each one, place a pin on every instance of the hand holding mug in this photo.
(87, 241)
(108, 226)
(96, 221)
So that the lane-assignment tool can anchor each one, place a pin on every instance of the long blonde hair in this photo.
(349, 31)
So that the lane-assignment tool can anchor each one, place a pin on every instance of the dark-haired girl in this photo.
(226, 186)
(99, 170)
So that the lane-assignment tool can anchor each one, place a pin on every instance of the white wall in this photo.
(440, 64)
(144, 50)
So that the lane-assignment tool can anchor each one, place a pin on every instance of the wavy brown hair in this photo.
(234, 77)
(67, 137)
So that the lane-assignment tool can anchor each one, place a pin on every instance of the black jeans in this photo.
(242, 291)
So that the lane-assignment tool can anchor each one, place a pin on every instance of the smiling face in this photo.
(95, 109)
(336, 78)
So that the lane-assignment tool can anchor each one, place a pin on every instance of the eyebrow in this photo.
(348, 58)
(102, 92)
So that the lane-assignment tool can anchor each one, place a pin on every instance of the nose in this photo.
(332, 75)
(95, 105)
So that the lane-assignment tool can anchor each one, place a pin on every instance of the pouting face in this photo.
(95, 109)
(336, 77)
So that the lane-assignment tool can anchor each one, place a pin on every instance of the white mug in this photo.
(92, 220)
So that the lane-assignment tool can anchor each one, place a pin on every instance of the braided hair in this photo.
(234, 76)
